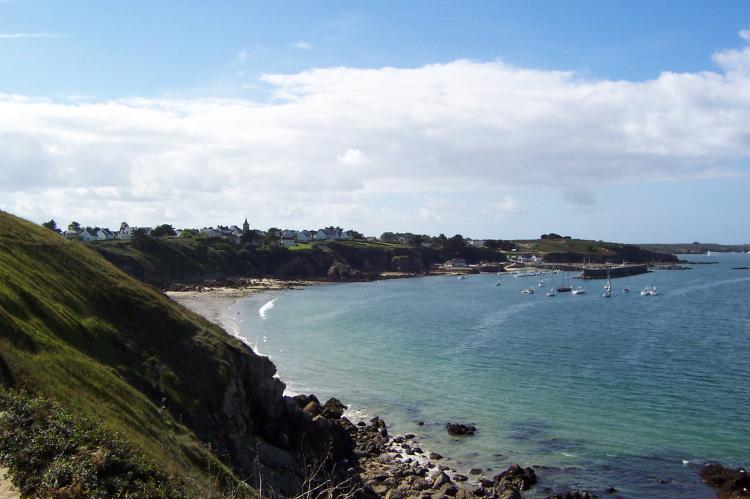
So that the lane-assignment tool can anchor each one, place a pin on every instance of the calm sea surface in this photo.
(632, 392)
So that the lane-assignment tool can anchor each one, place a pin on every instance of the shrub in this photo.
(49, 453)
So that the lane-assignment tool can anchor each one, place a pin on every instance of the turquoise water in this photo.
(632, 392)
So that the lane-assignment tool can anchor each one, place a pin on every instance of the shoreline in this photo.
(393, 466)
(397, 465)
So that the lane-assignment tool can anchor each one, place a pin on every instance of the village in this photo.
(234, 234)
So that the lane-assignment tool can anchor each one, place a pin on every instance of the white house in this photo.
(125, 232)
(105, 234)
(289, 238)
(477, 243)
(89, 234)
(304, 236)
(320, 235)
(346, 236)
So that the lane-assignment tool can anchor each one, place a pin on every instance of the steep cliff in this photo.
(200, 403)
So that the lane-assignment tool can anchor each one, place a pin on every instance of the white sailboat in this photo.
(649, 291)
(552, 292)
(607, 293)
(541, 283)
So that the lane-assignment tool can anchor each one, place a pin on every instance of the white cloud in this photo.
(456, 127)
(15, 36)
(354, 157)
(509, 206)
(302, 45)
(745, 34)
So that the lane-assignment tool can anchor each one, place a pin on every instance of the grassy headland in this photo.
(194, 401)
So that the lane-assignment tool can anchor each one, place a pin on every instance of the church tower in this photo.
(245, 226)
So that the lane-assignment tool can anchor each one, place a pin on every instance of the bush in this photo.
(49, 453)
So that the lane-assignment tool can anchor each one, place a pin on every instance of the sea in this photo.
(631, 392)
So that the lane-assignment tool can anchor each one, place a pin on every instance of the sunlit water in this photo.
(632, 392)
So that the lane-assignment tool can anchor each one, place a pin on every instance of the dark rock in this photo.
(509, 493)
(450, 489)
(486, 482)
(435, 456)
(460, 478)
(420, 423)
(417, 450)
(409, 436)
(361, 424)
(610, 490)
(440, 480)
(312, 408)
(475, 471)
(303, 400)
(728, 482)
(333, 409)
(573, 494)
(516, 477)
(458, 429)
(398, 439)
(479, 491)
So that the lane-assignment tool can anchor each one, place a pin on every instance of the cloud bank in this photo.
(331, 140)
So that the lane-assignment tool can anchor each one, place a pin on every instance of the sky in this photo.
(614, 120)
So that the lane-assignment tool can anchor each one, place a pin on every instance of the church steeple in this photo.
(245, 226)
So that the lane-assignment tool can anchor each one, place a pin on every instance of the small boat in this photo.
(579, 291)
(528, 291)
(626, 290)
(541, 283)
(552, 292)
(462, 276)
(497, 283)
(607, 293)
(564, 287)
(649, 291)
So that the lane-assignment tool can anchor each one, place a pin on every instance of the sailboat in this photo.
(564, 288)
(649, 291)
(552, 292)
(607, 287)
(541, 283)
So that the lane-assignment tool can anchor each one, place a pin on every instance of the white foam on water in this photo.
(263, 311)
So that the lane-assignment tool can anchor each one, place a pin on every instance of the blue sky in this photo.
(136, 110)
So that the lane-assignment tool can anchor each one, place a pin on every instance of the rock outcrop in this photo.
(729, 483)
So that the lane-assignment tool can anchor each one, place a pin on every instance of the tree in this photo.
(272, 236)
(51, 225)
(455, 245)
(387, 237)
(74, 227)
(189, 233)
(415, 240)
(250, 237)
(163, 230)
(357, 235)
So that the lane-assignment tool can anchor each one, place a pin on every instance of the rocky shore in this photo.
(396, 467)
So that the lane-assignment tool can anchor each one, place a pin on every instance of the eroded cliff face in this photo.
(268, 438)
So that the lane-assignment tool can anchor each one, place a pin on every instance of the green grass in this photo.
(51, 453)
(76, 329)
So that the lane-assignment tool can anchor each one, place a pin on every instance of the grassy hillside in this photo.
(696, 248)
(194, 400)
(574, 250)
(76, 329)
(166, 261)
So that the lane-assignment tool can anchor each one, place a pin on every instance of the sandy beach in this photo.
(209, 301)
